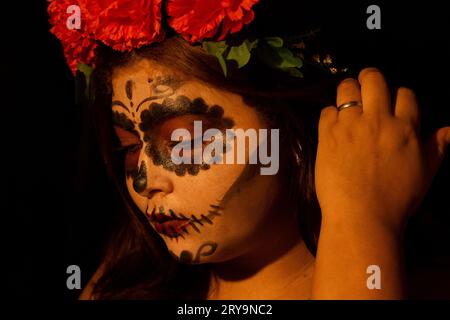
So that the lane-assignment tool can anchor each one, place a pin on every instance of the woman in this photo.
(226, 231)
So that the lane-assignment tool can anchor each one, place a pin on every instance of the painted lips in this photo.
(169, 225)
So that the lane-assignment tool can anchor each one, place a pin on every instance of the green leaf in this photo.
(275, 42)
(217, 49)
(241, 54)
(222, 63)
(280, 58)
(287, 59)
(268, 55)
(294, 72)
(270, 50)
(87, 71)
(214, 48)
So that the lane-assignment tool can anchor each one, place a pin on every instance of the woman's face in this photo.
(204, 212)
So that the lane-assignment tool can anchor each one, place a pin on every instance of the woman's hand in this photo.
(371, 163)
(372, 170)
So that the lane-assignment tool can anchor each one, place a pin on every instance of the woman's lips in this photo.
(169, 225)
(171, 228)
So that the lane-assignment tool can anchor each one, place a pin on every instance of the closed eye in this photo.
(128, 141)
(187, 143)
(132, 148)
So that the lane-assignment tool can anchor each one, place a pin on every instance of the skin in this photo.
(230, 193)
(371, 173)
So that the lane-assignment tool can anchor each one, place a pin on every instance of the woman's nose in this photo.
(151, 182)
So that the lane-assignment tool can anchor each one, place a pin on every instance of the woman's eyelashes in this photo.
(134, 144)
(130, 149)
(188, 143)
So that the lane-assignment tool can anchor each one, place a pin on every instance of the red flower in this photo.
(78, 46)
(200, 19)
(124, 24)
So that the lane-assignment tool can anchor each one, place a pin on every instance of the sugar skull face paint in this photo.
(159, 120)
(175, 225)
(204, 213)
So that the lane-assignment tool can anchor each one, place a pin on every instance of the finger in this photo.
(406, 107)
(328, 118)
(436, 145)
(348, 90)
(375, 93)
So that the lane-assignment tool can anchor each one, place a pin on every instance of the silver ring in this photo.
(349, 104)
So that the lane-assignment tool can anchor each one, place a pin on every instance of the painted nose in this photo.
(151, 182)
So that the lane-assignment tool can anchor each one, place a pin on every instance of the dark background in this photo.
(59, 203)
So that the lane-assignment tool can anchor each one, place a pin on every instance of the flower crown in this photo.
(125, 25)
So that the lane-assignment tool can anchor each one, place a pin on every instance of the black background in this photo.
(58, 199)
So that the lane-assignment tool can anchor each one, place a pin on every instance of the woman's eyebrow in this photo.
(182, 105)
(179, 106)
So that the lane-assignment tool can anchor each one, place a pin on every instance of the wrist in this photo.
(362, 221)
(348, 246)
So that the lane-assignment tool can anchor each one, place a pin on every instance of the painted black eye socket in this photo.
(129, 149)
(188, 143)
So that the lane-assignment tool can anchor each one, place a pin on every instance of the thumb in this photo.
(436, 146)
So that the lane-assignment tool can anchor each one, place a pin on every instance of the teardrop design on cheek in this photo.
(140, 178)
(131, 163)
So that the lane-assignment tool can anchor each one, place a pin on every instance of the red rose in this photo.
(124, 24)
(200, 19)
(78, 46)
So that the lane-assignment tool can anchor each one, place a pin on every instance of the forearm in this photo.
(347, 247)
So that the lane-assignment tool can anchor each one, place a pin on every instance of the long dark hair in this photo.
(137, 264)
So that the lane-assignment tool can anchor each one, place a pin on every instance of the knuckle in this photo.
(399, 135)
(409, 131)
(334, 134)
(327, 112)
(325, 120)
(370, 122)
(344, 132)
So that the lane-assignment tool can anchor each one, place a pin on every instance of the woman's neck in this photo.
(280, 269)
